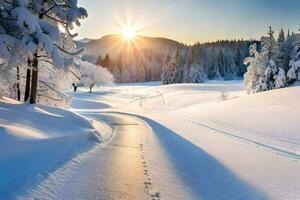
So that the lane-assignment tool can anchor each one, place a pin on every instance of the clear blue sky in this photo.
(191, 20)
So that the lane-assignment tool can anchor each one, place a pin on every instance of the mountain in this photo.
(114, 44)
(84, 40)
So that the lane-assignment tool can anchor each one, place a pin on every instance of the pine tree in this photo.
(281, 45)
(165, 70)
(255, 69)
(106, 62)
(293, 73)
(172, 71)
(263, 73)
(98, 61)
(197, 74)
(281, 37)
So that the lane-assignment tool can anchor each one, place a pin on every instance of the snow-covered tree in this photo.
(282, 48)
(197, 74)
(189, 60)
(293, 73)
(273, 78)
(92, 74)
(255, 69)
(171, 72)
(263, 72)
(10, 53)
(35, 24)
(165, 68)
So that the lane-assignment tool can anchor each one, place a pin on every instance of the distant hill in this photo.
(84, 41)
(114, 44)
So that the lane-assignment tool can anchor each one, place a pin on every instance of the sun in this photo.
(129, 33)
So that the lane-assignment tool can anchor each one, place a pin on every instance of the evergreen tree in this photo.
(263, 73)
(172, 70)
(281, 36)
(281, 45)
(164, 74)
(98, 61)
(293, 73)
(197, 74)
(106, 62)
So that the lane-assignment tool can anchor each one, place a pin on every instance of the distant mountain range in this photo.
(114, 44)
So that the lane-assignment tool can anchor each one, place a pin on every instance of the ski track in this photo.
(267, 147)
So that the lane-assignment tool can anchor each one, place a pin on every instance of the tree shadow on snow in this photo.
(202, 173)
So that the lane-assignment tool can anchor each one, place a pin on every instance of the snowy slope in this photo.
(213, 141)
(269, 116)
(35, 140)
(187, 141)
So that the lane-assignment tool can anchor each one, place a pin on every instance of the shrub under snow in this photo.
(92, 74)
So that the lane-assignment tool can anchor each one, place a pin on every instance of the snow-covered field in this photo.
(213, 141)
(193, 141)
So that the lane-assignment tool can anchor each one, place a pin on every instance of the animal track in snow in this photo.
(149, 188)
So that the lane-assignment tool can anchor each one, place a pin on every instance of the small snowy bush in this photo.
(92, 74)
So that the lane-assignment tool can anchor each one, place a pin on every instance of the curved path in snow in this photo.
(115, 169)
(143, 160)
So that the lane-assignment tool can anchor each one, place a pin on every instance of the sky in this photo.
(189, 21)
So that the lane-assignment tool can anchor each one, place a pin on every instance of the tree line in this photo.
(195, 63)
(220, 60)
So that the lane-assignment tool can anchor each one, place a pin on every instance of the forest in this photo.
(220, 60)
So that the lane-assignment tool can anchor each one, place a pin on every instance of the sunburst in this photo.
(129, 33)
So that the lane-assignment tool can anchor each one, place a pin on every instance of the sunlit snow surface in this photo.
(213, 141)
(184, 141)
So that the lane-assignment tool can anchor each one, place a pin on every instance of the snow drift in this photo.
(35, 140)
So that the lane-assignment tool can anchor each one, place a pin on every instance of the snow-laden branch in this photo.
(53, 7)
(75, 53)
(70, 34)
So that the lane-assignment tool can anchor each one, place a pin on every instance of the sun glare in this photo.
(129, 33)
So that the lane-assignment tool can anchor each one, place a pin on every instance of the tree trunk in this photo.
(27, 86)
(18, 84)
(34, 80)
(74, 87)
(91, 87)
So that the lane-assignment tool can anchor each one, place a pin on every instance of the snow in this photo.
(212, 140)
(180, 141)
(36, 140)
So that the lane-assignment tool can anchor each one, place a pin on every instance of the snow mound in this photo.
(36, 140)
